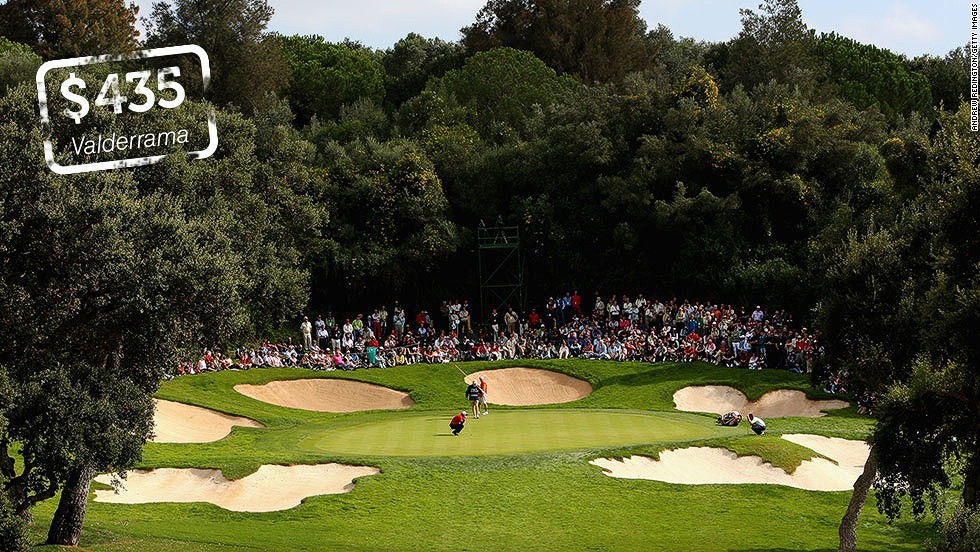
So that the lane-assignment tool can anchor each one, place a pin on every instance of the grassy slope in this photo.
(532, 501)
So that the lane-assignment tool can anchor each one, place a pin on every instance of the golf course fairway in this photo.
(511, 432)
(518, 479)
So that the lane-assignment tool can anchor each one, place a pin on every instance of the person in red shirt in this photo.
(690, 352)
(577, 303)
(456, 424)
(534, 319)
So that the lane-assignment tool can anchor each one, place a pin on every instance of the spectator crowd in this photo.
(617, 327)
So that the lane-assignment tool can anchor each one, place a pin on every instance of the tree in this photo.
(326, 76)
(906, 154)
(594, 40)
(389, 215)
(776, 40)
(779, 24)
(868, 76)
(672, 57)
(360, 120)
(699, 86)
(937, 406)
(498, 89)
(110, 277)
(12, 534)
(959, 531)
(245, 64)
(412, 61)
(17, 64)
(13, 537)
(916, 275)
(71, 28)
(701, 231)
(868, 300)
(949, 77)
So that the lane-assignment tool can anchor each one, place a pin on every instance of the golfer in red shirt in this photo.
(456, 424)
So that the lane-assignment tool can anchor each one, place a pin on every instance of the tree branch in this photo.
(29, 500)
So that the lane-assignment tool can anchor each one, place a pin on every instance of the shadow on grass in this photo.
(903, 535)
(783, 549)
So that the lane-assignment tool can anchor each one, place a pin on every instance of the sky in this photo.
(905, 27)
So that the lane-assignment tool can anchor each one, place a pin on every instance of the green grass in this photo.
(510, 432)
(518, 479)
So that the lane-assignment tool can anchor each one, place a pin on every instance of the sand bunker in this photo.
(528, 386)
(269, 489)
(176, 422)
(328, 395)
(708, 465)
(780, 403)
(849, 454)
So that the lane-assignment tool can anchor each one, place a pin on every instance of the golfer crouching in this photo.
(456, 424)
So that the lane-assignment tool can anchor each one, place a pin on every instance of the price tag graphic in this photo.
(150, 88)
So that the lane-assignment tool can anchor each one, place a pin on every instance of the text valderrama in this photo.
(113, 142)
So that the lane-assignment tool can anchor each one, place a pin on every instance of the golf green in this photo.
(510, 432)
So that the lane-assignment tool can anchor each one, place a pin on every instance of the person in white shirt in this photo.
(306, 328)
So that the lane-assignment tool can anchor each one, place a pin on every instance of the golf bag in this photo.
(730, 419)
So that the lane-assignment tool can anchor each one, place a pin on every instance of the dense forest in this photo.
(787, 167)
(630, 158)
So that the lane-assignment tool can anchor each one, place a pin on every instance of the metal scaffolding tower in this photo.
(501, 269)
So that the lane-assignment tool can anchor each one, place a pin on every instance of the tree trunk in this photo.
(971, 482)
(848, 524)
(66, 527)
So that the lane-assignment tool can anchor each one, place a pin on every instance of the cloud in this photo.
(902, 24)
(708, 20)
(375, 22)
(898, 29)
